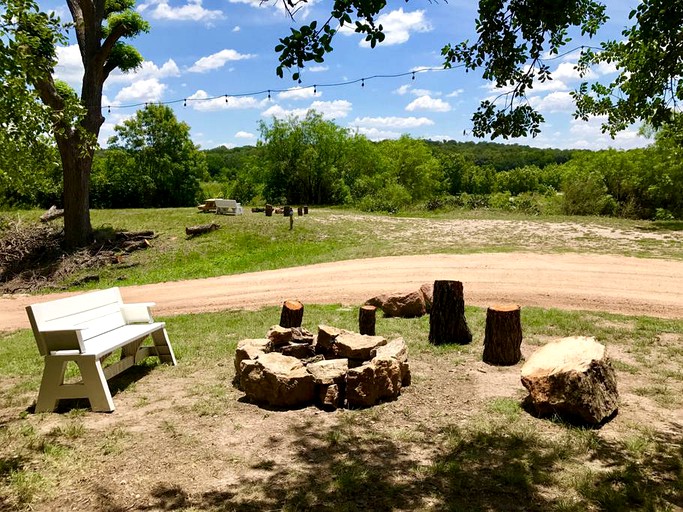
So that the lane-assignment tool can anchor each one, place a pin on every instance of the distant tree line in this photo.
(152, 162)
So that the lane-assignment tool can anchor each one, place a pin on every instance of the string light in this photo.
(271, 91)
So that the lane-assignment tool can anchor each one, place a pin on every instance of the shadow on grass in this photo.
(357, 468)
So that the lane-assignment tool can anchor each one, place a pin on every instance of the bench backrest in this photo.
(95, 312)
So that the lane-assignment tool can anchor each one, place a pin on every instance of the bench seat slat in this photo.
(110, 341)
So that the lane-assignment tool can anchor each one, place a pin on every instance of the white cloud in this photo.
(69, 65)
(403, 90)
(192, 11)
(398, 26)
(398, 123)
(146, 71)
(328, 109)
(559, 101)
(218, 60)
(588, 135)
(298, 93)
(236, 28)
(455, 93)
(377, 134)
(148, 91)
(318, 69)
(428, 103)
(200, 101)
(302, 10)
(244, 135)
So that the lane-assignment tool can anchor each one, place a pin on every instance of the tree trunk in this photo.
(76, 164)
(447, 323)
(292, 314)
(366, 319)
(503, 337)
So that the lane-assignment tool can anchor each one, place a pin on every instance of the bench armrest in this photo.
(137, 313)
(63, 338)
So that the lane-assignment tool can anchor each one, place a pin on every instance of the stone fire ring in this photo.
(336, 368)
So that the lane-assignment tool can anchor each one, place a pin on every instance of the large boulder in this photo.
(326, 337)
(572, 377)
(408, 305)
(427, 291)
(277, 380)
(373, 382)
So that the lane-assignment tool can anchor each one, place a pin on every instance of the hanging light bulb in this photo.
(108, 109)
(362, 82)
(269, 94)
(413, 75)
(226, 98)
(315, 89)
(185, 102)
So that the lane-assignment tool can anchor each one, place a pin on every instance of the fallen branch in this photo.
(201, 229)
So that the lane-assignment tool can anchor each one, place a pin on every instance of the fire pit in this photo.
(336, 368)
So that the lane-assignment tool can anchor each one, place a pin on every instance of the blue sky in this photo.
(198, 49)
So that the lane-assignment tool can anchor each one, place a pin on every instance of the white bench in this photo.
(228, 207)
(86, 329)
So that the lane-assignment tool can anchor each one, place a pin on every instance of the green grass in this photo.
(487, 456)
(253, 242)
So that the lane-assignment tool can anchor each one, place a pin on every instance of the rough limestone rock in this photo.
(279, 336)
(400, 305)
(398, 350)
(301, 335)
(330, 397)
(330, 378)
(298, 350)
(356, 346)
(573, 378)
(373, 382)
(329, 371)
(277, 380)
(250, 349)
(326, 337)
(427, 291)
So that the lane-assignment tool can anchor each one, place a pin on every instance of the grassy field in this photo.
(253, 242)
(458, 439)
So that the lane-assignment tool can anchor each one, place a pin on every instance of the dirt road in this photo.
(632, 286)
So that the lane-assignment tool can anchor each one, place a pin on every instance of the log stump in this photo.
(503, 336)
(299, 211)
(292, 314)
(447, 323)
(269, 210)
(366, 319)
(305, 210)
(286, 211)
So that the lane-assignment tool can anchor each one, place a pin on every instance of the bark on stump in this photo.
(305, 210)
(366, 319)
(503, 335)
(269, 210)
(287, 211)
(299, 211)
(447, 323)
(292, 314)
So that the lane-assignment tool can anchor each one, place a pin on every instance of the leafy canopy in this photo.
(513, 38)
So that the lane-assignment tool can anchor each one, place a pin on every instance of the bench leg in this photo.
(96, 386)
(53, 378)
(163, 346)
